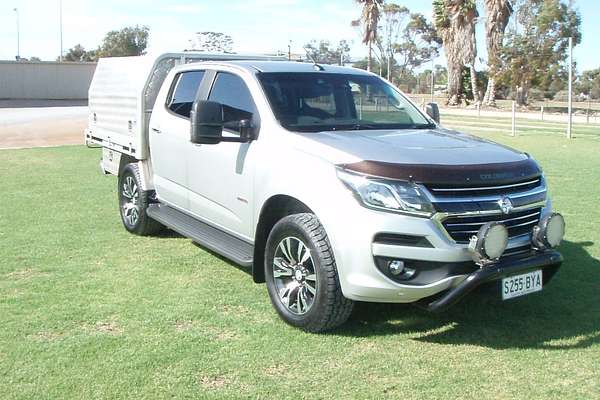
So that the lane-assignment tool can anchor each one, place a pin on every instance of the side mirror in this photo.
(433, 110)
(206, 119)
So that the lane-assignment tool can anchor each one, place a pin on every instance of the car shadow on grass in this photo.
(565, 315)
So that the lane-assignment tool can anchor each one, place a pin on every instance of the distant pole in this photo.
(570, 122)
(60, 58)
(589, 110)
(514, 118)
(16, 10)
(432, 80)
(389, 65)
(290, 51)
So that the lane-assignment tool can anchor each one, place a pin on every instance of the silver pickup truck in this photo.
(328, 182)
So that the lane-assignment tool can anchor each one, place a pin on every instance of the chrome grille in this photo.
(487, 190)
(462, 227)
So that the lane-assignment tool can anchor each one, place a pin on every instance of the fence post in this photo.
(589, 110)
(478, 110)
(542, 113)
(514, 118)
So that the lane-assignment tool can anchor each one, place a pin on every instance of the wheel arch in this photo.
(275, 208)
(126, 159)
(145, 169)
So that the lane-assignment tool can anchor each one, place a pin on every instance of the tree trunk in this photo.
(521, 97)
(474, 85)
(490, 93)
(369, 60)
(454, 84)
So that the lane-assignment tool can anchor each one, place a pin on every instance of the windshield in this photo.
(314, 102)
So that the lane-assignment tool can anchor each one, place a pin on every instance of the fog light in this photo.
(549, 232)
(399, 270)
(489, 243)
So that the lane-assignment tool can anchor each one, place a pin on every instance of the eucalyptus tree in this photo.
(455, 23)
(129, 41)
(394, 16)
(418, 44)
(498, 13)
(535, 54)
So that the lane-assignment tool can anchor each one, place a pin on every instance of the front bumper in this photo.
(547, 261)
(357, 253)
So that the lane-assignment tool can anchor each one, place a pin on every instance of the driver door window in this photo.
(231, 91)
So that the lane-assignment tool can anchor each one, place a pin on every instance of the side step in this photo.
(214, 239)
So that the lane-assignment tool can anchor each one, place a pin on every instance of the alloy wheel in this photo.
(295, 275)
(130, 205)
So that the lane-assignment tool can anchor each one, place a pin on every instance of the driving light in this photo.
(489, 243)
(549, 232)
(399, 270)
(389, 195)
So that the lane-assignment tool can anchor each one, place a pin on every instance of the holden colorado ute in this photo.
(328, 182)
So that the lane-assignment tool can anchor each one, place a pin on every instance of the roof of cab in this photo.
(288, 66)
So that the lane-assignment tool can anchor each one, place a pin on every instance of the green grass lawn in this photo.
(90, 311)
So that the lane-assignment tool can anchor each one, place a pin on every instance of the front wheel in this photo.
(302, 277)
(133, 202)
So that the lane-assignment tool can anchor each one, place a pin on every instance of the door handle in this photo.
(156, 130)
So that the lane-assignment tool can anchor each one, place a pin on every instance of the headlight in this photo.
(389, 195)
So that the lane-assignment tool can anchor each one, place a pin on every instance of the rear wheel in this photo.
(133, 202)
(302, 277)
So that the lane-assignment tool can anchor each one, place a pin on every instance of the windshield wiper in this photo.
(423, 126)
(359, 127)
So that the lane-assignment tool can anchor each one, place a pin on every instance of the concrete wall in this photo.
(45, 80)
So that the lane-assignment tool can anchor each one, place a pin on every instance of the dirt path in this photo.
(37, 127)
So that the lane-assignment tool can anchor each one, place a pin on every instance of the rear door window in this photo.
(183, 94)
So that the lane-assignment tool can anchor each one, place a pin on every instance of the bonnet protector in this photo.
(450, 175)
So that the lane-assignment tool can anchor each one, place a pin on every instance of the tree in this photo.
(418, 44)
(534, 53)
(378, 65)
(394, 16)
(35, 59)
(441, 75)
(589, 83)
(129, 41)
(322, 52)
(212, 42)
(455, 24)
(369, 22)
(468, 87)
(79, 54)
(498, 14)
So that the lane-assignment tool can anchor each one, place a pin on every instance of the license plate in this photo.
(520, 285)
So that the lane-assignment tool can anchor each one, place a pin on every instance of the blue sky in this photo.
(255, 25)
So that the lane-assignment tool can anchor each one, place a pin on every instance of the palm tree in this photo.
(369, 20)
(455, 22)
(498, 14)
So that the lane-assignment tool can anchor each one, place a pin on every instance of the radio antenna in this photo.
(316, 66)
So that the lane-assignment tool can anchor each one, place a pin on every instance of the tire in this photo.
(133, 202)
(303, 285)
